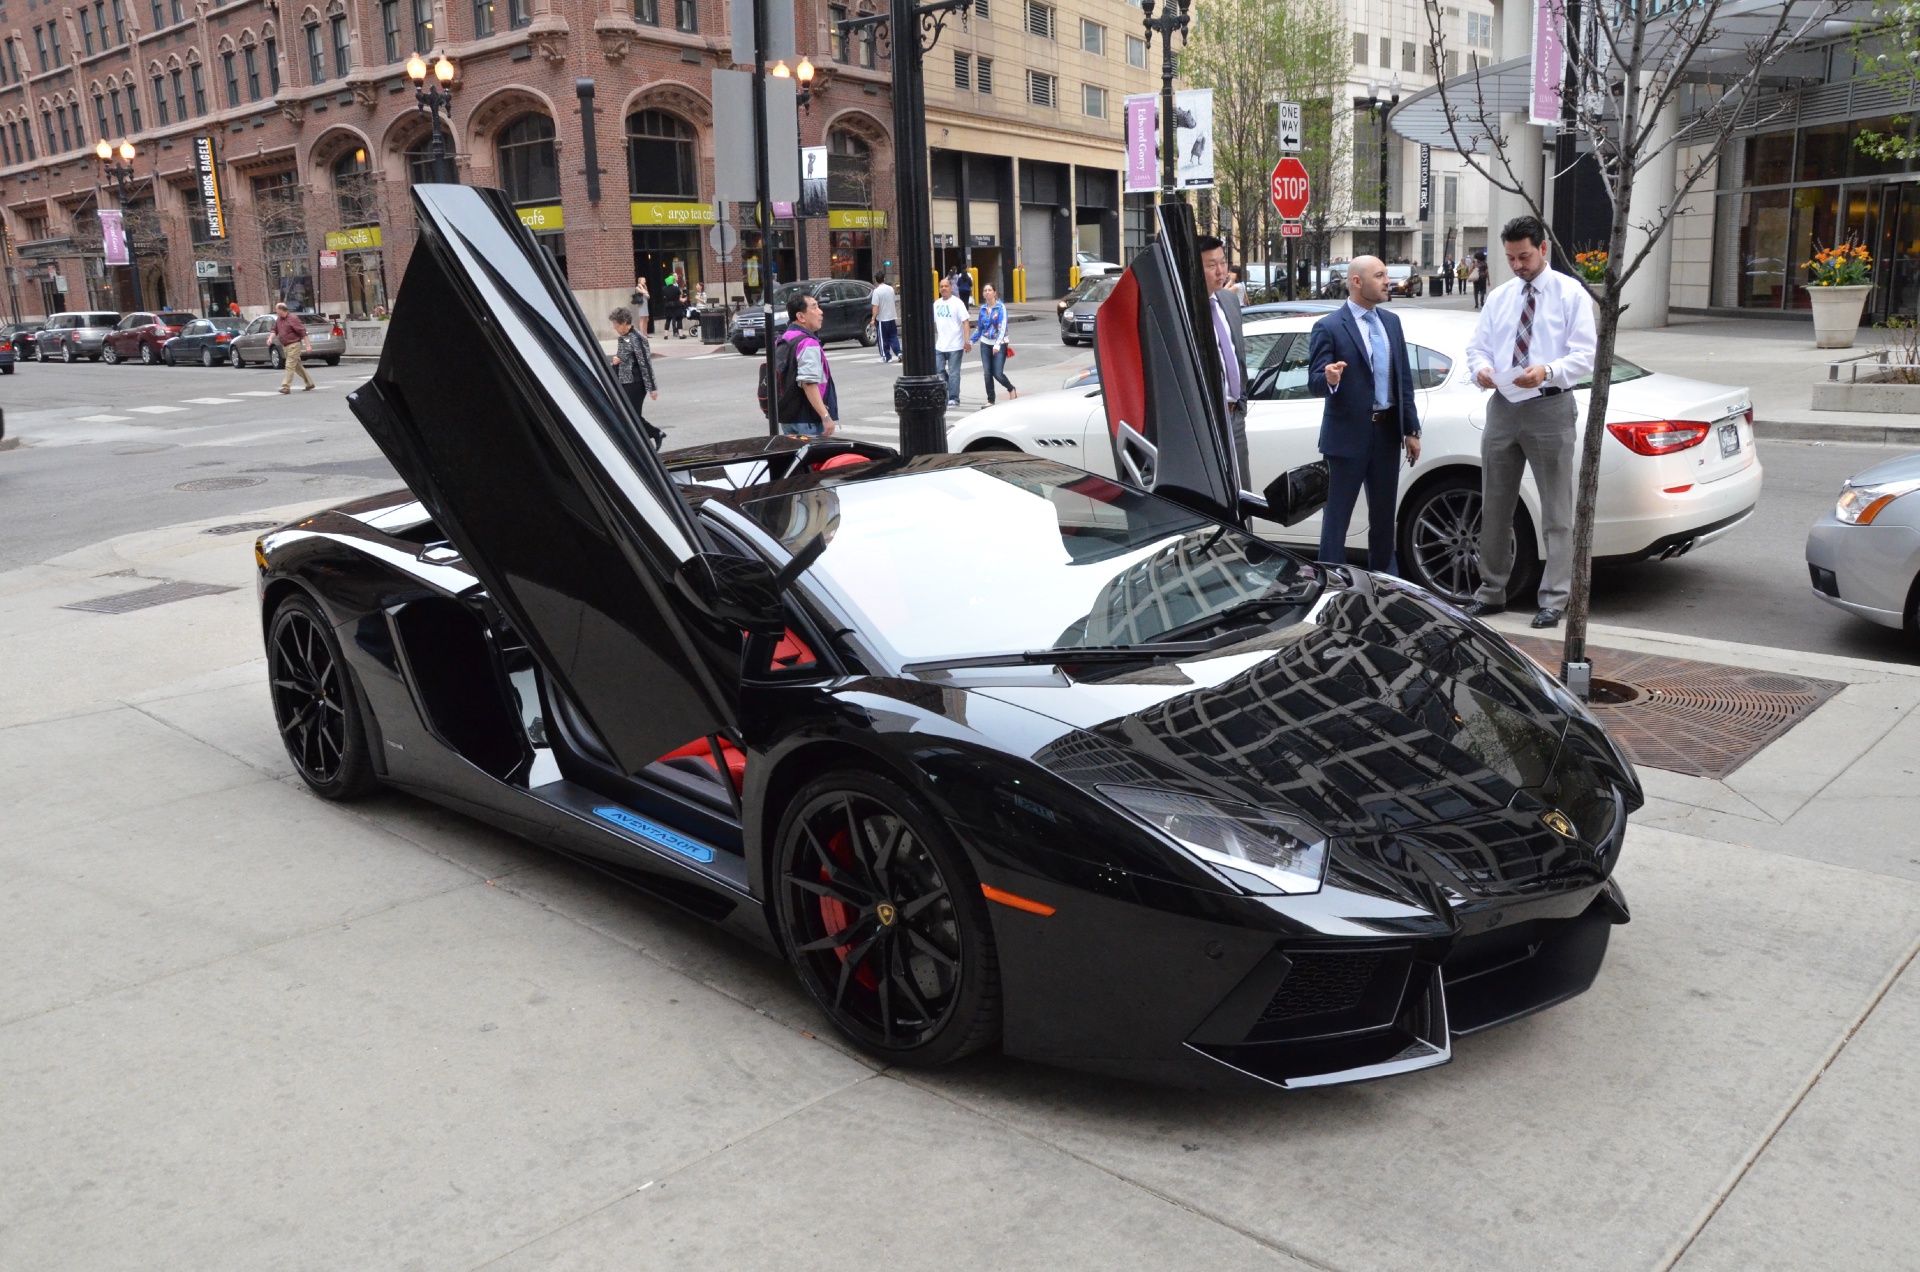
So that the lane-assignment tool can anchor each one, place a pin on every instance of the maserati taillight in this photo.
(1660, 437)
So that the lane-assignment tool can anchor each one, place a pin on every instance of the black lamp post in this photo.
(1380, 106)
(432, 99)
(121, 173)
(803, 98)
(1172, 20)
(919, 396)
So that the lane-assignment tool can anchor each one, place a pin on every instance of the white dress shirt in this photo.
(1563, 341)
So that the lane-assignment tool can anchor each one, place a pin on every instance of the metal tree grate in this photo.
(240, 527)
(148, 597)
(1698, 718)
(220, 483)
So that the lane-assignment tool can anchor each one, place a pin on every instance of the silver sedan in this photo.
(1864, 556)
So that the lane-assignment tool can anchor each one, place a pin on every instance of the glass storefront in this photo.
(1786, 195)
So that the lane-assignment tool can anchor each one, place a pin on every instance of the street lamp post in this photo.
(121, 172)
(1380, 106)
(1172, 20)
(803, 98)
(919, 396)
(431, 100)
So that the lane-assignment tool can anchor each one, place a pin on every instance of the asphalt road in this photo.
(94, 451)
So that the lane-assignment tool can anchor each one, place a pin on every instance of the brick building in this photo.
(318, 139)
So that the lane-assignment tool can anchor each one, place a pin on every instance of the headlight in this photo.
(1859, 505)
(1262, 852)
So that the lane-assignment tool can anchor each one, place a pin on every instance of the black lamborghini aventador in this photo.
(992, 751)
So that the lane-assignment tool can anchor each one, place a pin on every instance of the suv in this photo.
(847, 302)
(73, 336)
(327, 340)
(143, 336)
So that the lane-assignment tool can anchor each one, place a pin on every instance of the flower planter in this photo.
(1836, 315)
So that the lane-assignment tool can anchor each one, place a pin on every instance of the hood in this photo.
(1905, 468)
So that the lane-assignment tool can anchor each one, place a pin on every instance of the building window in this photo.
(119, 120)
(647, 11)
(1480, 30)
(422, 26)
(528, 165)
(159, 15)
(983, 75)
(53, 143)
(836, 40)
(160, 100)
(6, 150)
(342, 44)
(390, 27)
(519, 13)
(1359, 49)
(66, 133)
(100, 112)
(850, 171)
(1407, 62)
(252, 56)
(980, 13)
(230, 67)
(1040, 20)
(53, 37)
(86, 31)
(199, 88)
(1386, 51)
(1093, 101)
(1136, 51)
(963, 71)
(1093, 37)
(1042, 89)
(1453, 64)
(356, 190)
(13, 62)
(271, 51)
(661, 162)
(482, 18)
(686, 16)
(180, 93)
(420, 170)
(119, 23)
(40, 44)
(316, 55)
(133, 104)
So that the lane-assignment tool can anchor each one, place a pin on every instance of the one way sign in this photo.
(1289, 128)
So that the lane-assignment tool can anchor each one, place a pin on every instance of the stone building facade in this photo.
(318, 139)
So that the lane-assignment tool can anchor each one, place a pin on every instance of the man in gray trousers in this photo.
(1534, 342)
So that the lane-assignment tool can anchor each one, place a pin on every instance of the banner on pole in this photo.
(1426, 183)
(1193, 138)
(113, 237)
(1549, 60)
(813, 181)
(1143, 148)
(206, 172)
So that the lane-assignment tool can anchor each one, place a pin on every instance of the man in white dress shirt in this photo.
(1534, 342)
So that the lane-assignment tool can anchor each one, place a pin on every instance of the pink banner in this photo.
(1143, 151)
(1549, 60)
(113, 237)
(782, 211)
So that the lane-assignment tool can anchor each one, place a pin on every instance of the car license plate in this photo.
(1729, 440)
(1086, 325)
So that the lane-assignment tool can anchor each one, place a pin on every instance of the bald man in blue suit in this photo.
(1358, 363)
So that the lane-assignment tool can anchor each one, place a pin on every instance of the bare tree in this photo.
(1631, 66)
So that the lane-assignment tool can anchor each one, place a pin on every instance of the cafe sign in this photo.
(541, 219)
(856, 219)
(673, 213)
(363, 239)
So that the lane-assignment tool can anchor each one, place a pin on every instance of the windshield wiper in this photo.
(1249, 606)
(1070, 654)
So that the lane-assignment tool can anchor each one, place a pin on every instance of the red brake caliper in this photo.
(834, 914)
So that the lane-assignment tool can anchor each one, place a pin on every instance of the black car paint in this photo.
(848, 310)
(1429, 748)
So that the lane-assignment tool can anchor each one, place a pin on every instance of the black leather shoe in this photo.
(1547, 618)
(1481, 609)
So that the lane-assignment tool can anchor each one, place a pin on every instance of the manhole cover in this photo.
(148, 597)
(240, 527)
(221, 483)
(1699, 718)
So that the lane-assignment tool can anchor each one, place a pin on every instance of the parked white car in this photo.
(1092, 266)
(1677, 469)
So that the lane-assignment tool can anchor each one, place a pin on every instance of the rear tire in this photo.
(206, 358)
(334, 361)
(314, 703)
(66, 354)
(1440, 536)
(146, 355)
(885, 922)
(276, 359)
(870, 335)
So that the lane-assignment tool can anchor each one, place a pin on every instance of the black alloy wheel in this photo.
(1440, 540)
(314, 704)
(206, 356)
(885, 922)
(146, 354)
(111, 354)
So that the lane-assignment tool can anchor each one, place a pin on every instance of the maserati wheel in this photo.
(1440, 540)
(885, 922)
(314, 705)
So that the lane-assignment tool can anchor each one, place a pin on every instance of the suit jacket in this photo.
(1346, 427)
(1236, 411)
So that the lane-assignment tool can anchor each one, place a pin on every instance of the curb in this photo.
(1733, 653)
(1818, 431)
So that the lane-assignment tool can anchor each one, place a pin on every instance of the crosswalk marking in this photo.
(258, 393)
(156, 410)
(104, 419)
(210, 401)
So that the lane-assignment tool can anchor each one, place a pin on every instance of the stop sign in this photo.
(1290, 188)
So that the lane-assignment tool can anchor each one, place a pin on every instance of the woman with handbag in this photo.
(990, 332)
(633, 369)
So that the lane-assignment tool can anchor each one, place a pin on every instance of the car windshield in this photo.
(1097, 290)
(970, 559)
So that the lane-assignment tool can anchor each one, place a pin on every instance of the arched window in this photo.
(849, 170)
(529, 165)
(420, 161)
(661, 162)
(356, 189)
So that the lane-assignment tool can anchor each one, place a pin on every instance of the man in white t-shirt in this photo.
(952, 338)
(886, 317)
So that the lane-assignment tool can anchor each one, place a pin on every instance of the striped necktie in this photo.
(1523, 337)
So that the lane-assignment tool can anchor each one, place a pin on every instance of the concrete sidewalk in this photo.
(243, 1028)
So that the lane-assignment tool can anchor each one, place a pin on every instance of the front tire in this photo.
(314, 704)
(206, 358)
(112, 355)
(870, 335)
(235, 360)
(884, 919)
(1440, 540)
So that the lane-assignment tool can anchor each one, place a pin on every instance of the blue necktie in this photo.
(1377, 353)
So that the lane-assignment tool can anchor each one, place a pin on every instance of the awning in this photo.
(1476, 101)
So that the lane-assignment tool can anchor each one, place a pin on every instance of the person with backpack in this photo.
(809, 404)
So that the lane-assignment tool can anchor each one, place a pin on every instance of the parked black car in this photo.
(204, 340)
(990, 750)
(848, 303)
(18, 339)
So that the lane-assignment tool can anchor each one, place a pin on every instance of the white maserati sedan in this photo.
(1677, 467)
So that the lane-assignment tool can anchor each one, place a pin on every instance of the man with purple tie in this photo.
(1229, 328)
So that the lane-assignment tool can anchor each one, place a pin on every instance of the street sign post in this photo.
(1289, 127)
(1289, 188)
